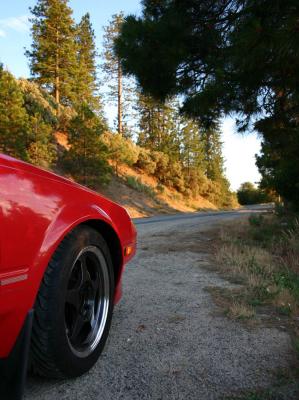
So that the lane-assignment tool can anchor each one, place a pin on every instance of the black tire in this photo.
(73, 308)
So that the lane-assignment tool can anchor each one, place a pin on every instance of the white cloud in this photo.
(19, 24)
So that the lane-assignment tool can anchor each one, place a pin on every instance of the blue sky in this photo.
(239, 151)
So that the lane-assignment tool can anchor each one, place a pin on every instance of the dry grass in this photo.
(240, 311)
(263, 255)
(285, 299)
(244, 261)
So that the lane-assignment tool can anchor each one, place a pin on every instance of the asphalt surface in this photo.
(168, 339)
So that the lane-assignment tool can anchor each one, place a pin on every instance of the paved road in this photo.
(259, 208)
(168, 339)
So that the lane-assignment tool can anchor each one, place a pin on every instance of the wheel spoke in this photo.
(95, 284)
(73, 298)
(77, 328)
(85, 273)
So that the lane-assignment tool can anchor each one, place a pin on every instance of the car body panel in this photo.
(37, 210)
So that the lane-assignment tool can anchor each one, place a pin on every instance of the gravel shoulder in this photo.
(168, 340)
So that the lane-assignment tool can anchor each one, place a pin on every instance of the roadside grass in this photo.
(136, 184)
(261, 254)
(238, 310)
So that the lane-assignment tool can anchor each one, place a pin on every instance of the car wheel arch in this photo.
(113, 243)
(108, 233)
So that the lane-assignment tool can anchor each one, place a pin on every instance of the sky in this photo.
(239, 151)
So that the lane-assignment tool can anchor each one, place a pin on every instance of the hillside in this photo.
(142, 194)
(137, 192)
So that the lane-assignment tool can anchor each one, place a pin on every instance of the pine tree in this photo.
(158, 126)
(14, 121)
(120, 88)
(213, 154)
(192, 147)
(42, 121)
(87, 158)
(53, 51)
(85, 85)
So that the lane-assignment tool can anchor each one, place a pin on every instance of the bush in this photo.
(145, 161)
(161, 160)
(121, 150)
(249, 194)
(256, 220)
(160, 188)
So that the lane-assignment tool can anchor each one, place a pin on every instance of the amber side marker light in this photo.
(128, 250)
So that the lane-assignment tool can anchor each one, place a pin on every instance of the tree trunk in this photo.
(119, 100)
(57, 91)
(57, 78)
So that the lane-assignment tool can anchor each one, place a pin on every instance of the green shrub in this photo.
(121, 150)
(145, 161)
(136, 184)
(256, 220)
(160, 188)
(249, 194)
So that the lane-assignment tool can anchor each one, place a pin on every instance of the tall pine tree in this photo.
(53, 52)
(42, 122)
(192, 147)
(14, 121)
(87, 158)
(85, 85)
(158, 125)
(213, 154)
(120, 88)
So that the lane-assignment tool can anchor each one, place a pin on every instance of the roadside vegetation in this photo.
(226, 58)
(136, 184)
(64, 97)
(262, 256)
(248, 194)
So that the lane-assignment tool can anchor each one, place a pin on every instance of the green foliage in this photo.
(213, 154)
(121, 150)
(160, 188)
(225, 57)
(14, 121)
(279, 159)
(121, 89)
(145, 161)
(111, 60)
(249, 194)
(38, 102)
(63, 97)
(192, 147)
(87, 159)
(85, 84)
(256, 220)
(158, 126)
(41, 110)
(136, 184)
(53, 52)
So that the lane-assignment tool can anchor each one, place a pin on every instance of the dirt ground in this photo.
(168, 339)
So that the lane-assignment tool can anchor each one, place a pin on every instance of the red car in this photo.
(63, 248)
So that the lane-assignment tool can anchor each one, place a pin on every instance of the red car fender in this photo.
(59, 228)
(36, 222)
(23, 293)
